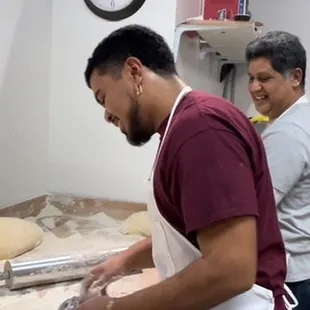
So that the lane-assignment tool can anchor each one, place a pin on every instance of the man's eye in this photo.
(264, 79)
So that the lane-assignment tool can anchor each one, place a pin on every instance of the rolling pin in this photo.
(25, 274)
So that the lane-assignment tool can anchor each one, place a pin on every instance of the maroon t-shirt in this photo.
(213, 167)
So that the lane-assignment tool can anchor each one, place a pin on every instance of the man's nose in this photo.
(108, 116)
(255, 86)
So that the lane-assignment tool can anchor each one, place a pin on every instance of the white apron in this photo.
(172, 252)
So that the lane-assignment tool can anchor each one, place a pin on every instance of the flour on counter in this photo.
(62, 199)
(105, 220)
(96, 241)
(50, 298)
(71, 235)
(49, 210)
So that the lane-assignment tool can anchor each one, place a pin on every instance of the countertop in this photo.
(69, 234)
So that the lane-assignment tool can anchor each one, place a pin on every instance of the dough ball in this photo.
(137, 224)
(18, 236)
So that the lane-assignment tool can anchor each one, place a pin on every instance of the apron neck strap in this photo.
(179, 98)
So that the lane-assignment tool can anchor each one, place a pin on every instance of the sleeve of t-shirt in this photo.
(286, 157)
(215, 179)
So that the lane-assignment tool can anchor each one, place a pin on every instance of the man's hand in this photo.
(138, 256)
(114, 266)
(229, 252)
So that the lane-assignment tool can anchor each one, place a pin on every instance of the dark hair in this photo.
(284, 51)
(136, 41)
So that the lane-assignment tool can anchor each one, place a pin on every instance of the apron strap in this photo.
(294, 303)
(179, 98)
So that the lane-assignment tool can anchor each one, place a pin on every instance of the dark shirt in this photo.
(213, 167)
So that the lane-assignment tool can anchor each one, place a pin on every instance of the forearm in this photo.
(139, 255)
(199, 286)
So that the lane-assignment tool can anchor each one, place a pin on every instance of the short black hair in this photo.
(131, 41)
(283, 49)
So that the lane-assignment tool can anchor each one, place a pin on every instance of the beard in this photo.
(138, 134)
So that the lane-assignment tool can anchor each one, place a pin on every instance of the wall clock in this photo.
(114, 10)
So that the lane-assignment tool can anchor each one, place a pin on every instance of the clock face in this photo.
(114, 10)
(111, 5)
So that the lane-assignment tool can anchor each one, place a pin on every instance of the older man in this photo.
(277, 71)
(216, 241)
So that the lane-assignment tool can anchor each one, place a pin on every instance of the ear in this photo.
(296, 77)
(135, 68)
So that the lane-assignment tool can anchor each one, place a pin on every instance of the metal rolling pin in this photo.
(23, 274)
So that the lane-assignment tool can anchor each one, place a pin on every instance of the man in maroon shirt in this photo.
(215, 240)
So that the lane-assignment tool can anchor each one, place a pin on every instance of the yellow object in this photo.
(18, 236)
(259, 119)
(137, 224)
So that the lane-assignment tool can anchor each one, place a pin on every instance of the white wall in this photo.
(87, 157)
(198, 69)
(25, 31)
(202, 71)
(186, 9)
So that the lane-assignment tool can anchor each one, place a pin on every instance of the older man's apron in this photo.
(172, 252)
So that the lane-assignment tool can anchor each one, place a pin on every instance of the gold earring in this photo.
(139, 90)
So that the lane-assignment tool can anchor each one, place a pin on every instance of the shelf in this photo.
(228, 38)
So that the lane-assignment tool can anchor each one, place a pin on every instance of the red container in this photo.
(211, 8)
